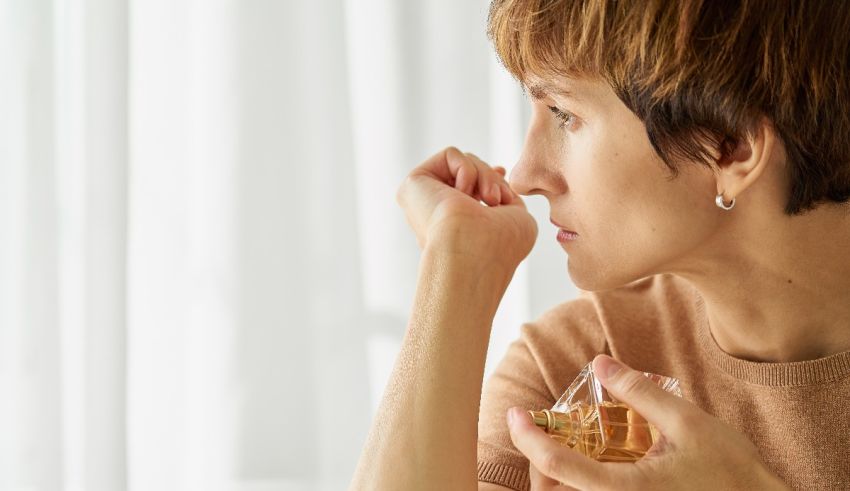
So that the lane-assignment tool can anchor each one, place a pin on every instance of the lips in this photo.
(562, 227)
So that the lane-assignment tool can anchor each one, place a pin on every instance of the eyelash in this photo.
(565, 118)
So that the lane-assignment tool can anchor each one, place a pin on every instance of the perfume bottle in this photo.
(589, 420)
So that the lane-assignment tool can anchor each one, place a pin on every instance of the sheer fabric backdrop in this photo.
(204, 275)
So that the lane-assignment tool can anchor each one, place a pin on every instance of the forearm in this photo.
(425, 430)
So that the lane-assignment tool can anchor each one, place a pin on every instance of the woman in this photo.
(696, 157)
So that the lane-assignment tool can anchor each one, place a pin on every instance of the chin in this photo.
(597, 279)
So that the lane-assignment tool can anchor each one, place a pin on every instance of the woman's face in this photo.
(602, 178)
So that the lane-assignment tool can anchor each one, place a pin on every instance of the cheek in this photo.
(636, 221)
(685, 211)
(614, 188)
(642, 212)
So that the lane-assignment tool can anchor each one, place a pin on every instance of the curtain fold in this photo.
(204, 275)
(29, 364)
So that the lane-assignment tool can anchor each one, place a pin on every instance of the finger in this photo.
(451, 167)
(464, 170)
(542, 482)
(507, 192)
(555, 461)
(659, 407)
(488, 180)
(440, 165)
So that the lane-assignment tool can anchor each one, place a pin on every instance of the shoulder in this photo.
(561, 340)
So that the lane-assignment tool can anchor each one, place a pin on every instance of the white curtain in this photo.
(204, 275)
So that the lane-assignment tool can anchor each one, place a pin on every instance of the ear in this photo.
(745, 161)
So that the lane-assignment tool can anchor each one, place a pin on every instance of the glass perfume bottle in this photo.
(589, 420)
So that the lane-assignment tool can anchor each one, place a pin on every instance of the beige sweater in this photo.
(797, 414)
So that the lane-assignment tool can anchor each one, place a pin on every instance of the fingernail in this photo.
(611, 368)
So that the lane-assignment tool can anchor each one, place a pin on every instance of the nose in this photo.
(538, 170)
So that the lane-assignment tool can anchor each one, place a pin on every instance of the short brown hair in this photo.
(704, 70)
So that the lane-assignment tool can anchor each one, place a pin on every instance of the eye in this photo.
(566, 118)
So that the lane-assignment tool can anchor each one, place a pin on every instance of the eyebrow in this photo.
(541, 90)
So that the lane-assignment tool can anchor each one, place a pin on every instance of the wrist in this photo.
(477, 247)
(475, 264)
(462, 278)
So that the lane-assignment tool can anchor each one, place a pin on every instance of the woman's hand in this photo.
(441, 200)
(696, 451)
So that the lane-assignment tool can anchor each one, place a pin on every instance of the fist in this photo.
(442, 201)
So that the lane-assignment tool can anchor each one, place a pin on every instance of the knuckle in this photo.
(451, 149)
(478, 162)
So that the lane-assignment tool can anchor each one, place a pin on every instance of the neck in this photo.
(778, 290)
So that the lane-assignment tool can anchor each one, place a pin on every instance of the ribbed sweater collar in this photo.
(798, 373)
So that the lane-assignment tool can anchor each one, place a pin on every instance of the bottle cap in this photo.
(540, 418)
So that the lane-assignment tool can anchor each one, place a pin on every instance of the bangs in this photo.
(548, 38)
(634, 45)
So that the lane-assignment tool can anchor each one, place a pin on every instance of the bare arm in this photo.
(425, 432)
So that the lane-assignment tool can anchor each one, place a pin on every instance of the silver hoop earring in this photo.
(719, 201)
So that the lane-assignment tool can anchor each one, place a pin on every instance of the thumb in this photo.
(659, 407)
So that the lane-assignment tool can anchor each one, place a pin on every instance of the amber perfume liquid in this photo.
(606, 432)
(587, 419)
